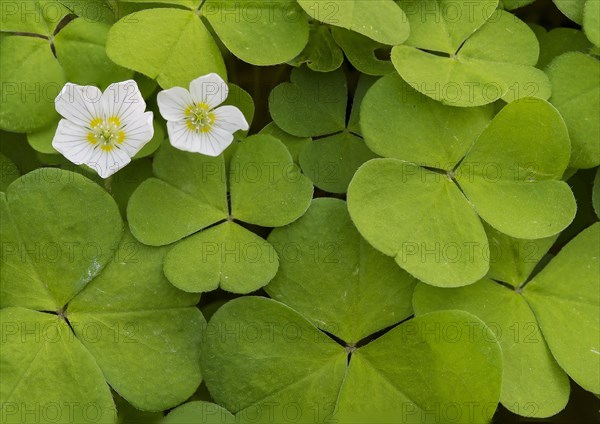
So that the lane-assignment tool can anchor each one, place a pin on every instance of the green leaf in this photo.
(558, 41)
(596, 193)
(189, 194)
(513, 260)
(80, 48)
(401, 123)
(199, 412)
(321, 54)
(190, 4)
(566, 301)
(28, 94)
(31, 16)
(170, 45)
(572, 9)
(241, 99)
(399, 374)
(361, 52)
(267, 188)
(444, 25)
(591, 21)
(515, 4)
(305, 367)
(420, 218)
(380, 20)
(512, 175)
(259, 32)
(107, 11)
(319, 99)
(332, 276)
(533, 385)
(226, 256)
(48, 374)
(154, 143)
(260, 353)
(487, 66)
(128, 180)
(294, 144)
(144, 334)
(41, 141)
(52, 248)
(576, 95)
(8, 172)
(331, 162)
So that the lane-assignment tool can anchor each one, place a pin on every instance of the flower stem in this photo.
(108, 184)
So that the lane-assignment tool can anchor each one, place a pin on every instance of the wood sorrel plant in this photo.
(299, 211)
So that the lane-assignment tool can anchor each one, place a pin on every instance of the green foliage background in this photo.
(379, 129)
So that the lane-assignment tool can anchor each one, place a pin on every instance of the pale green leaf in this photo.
(257, 362)
(189, 194)
(321, 54)
(401, 123)
(259, 32)
(487, 66)
(420, 218)
(28, 94)
(331, 275)
(53, 243)
(312, 104)
(267, 188)
(48, 374)
(226, 256)
(380, 20)
(573, 9)
(565, 298)
(515, 4)
(31, 16)
(558, 41)
(170, 45)
(444, 25)
(144, 334)
(533, 385)
(423, 364)
(294, 144)
(512, 175)
(591, 21)
(361, 52)
(576, 95)
(81, 51)
(513, 260)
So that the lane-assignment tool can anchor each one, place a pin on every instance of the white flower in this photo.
(195, 123)
(102, 130)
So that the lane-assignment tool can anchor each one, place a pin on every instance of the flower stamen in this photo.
(199, 117)
(106, 134)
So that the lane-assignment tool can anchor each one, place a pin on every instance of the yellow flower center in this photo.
(106, 133)
(199, 118)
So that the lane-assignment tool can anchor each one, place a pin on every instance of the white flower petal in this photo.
(173, 102)
(230, 119)
(181, 137)
(138, 133)
(209, 89)
(79, 104)
(123, 100)
(107, 163)
(211, 143)
(71, 141)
